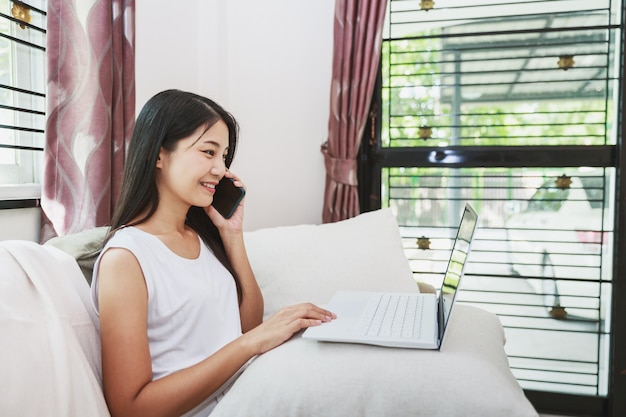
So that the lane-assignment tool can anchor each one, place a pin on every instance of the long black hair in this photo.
(165, 119)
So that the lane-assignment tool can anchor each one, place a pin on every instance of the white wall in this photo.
(268, 63)
(21, 224)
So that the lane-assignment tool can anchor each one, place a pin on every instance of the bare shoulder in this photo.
(118, 256)
(115, 260)
(119, 272)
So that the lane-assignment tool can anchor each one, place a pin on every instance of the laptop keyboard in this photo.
(393, 315)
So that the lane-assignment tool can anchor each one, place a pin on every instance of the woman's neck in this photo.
(166, 222)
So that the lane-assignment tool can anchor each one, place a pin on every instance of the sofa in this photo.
(469, 376)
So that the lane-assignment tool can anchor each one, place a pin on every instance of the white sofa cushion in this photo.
(470, 376)
(50, 349)
(308, 263)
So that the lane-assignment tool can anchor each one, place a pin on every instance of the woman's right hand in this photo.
(282, 325)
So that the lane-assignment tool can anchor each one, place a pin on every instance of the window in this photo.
(22, 90)
(512, 107)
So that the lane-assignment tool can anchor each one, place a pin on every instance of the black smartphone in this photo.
(227, 197)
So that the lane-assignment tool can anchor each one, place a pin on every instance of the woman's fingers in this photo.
(310, 311)
(286, 322)
(322, 314)
(236, 179)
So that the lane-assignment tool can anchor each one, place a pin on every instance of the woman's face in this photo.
(190, 173)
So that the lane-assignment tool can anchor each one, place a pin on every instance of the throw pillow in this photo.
(308, 263)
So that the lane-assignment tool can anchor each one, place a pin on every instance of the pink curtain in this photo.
(358, 38)
(90, 111)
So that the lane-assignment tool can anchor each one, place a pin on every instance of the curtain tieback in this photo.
(343, 171)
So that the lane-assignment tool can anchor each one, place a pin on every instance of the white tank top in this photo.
(193, 309)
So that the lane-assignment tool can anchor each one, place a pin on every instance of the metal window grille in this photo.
(550, 287)
(22, 90)
(513, 107)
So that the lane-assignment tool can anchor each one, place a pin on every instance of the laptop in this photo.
(406, 320)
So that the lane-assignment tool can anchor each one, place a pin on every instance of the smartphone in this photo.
(227, 197)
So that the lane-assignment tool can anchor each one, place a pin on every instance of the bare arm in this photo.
(126, 363)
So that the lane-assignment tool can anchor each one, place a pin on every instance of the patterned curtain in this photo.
(90, 111)
(357, 42)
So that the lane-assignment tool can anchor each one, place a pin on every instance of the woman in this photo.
(180, 310)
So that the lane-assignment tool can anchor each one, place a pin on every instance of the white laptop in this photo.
(407, 320)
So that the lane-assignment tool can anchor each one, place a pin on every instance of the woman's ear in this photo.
(159, 161)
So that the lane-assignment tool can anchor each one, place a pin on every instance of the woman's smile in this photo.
(209, 186)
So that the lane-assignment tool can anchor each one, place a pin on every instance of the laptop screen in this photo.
(456, 264)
